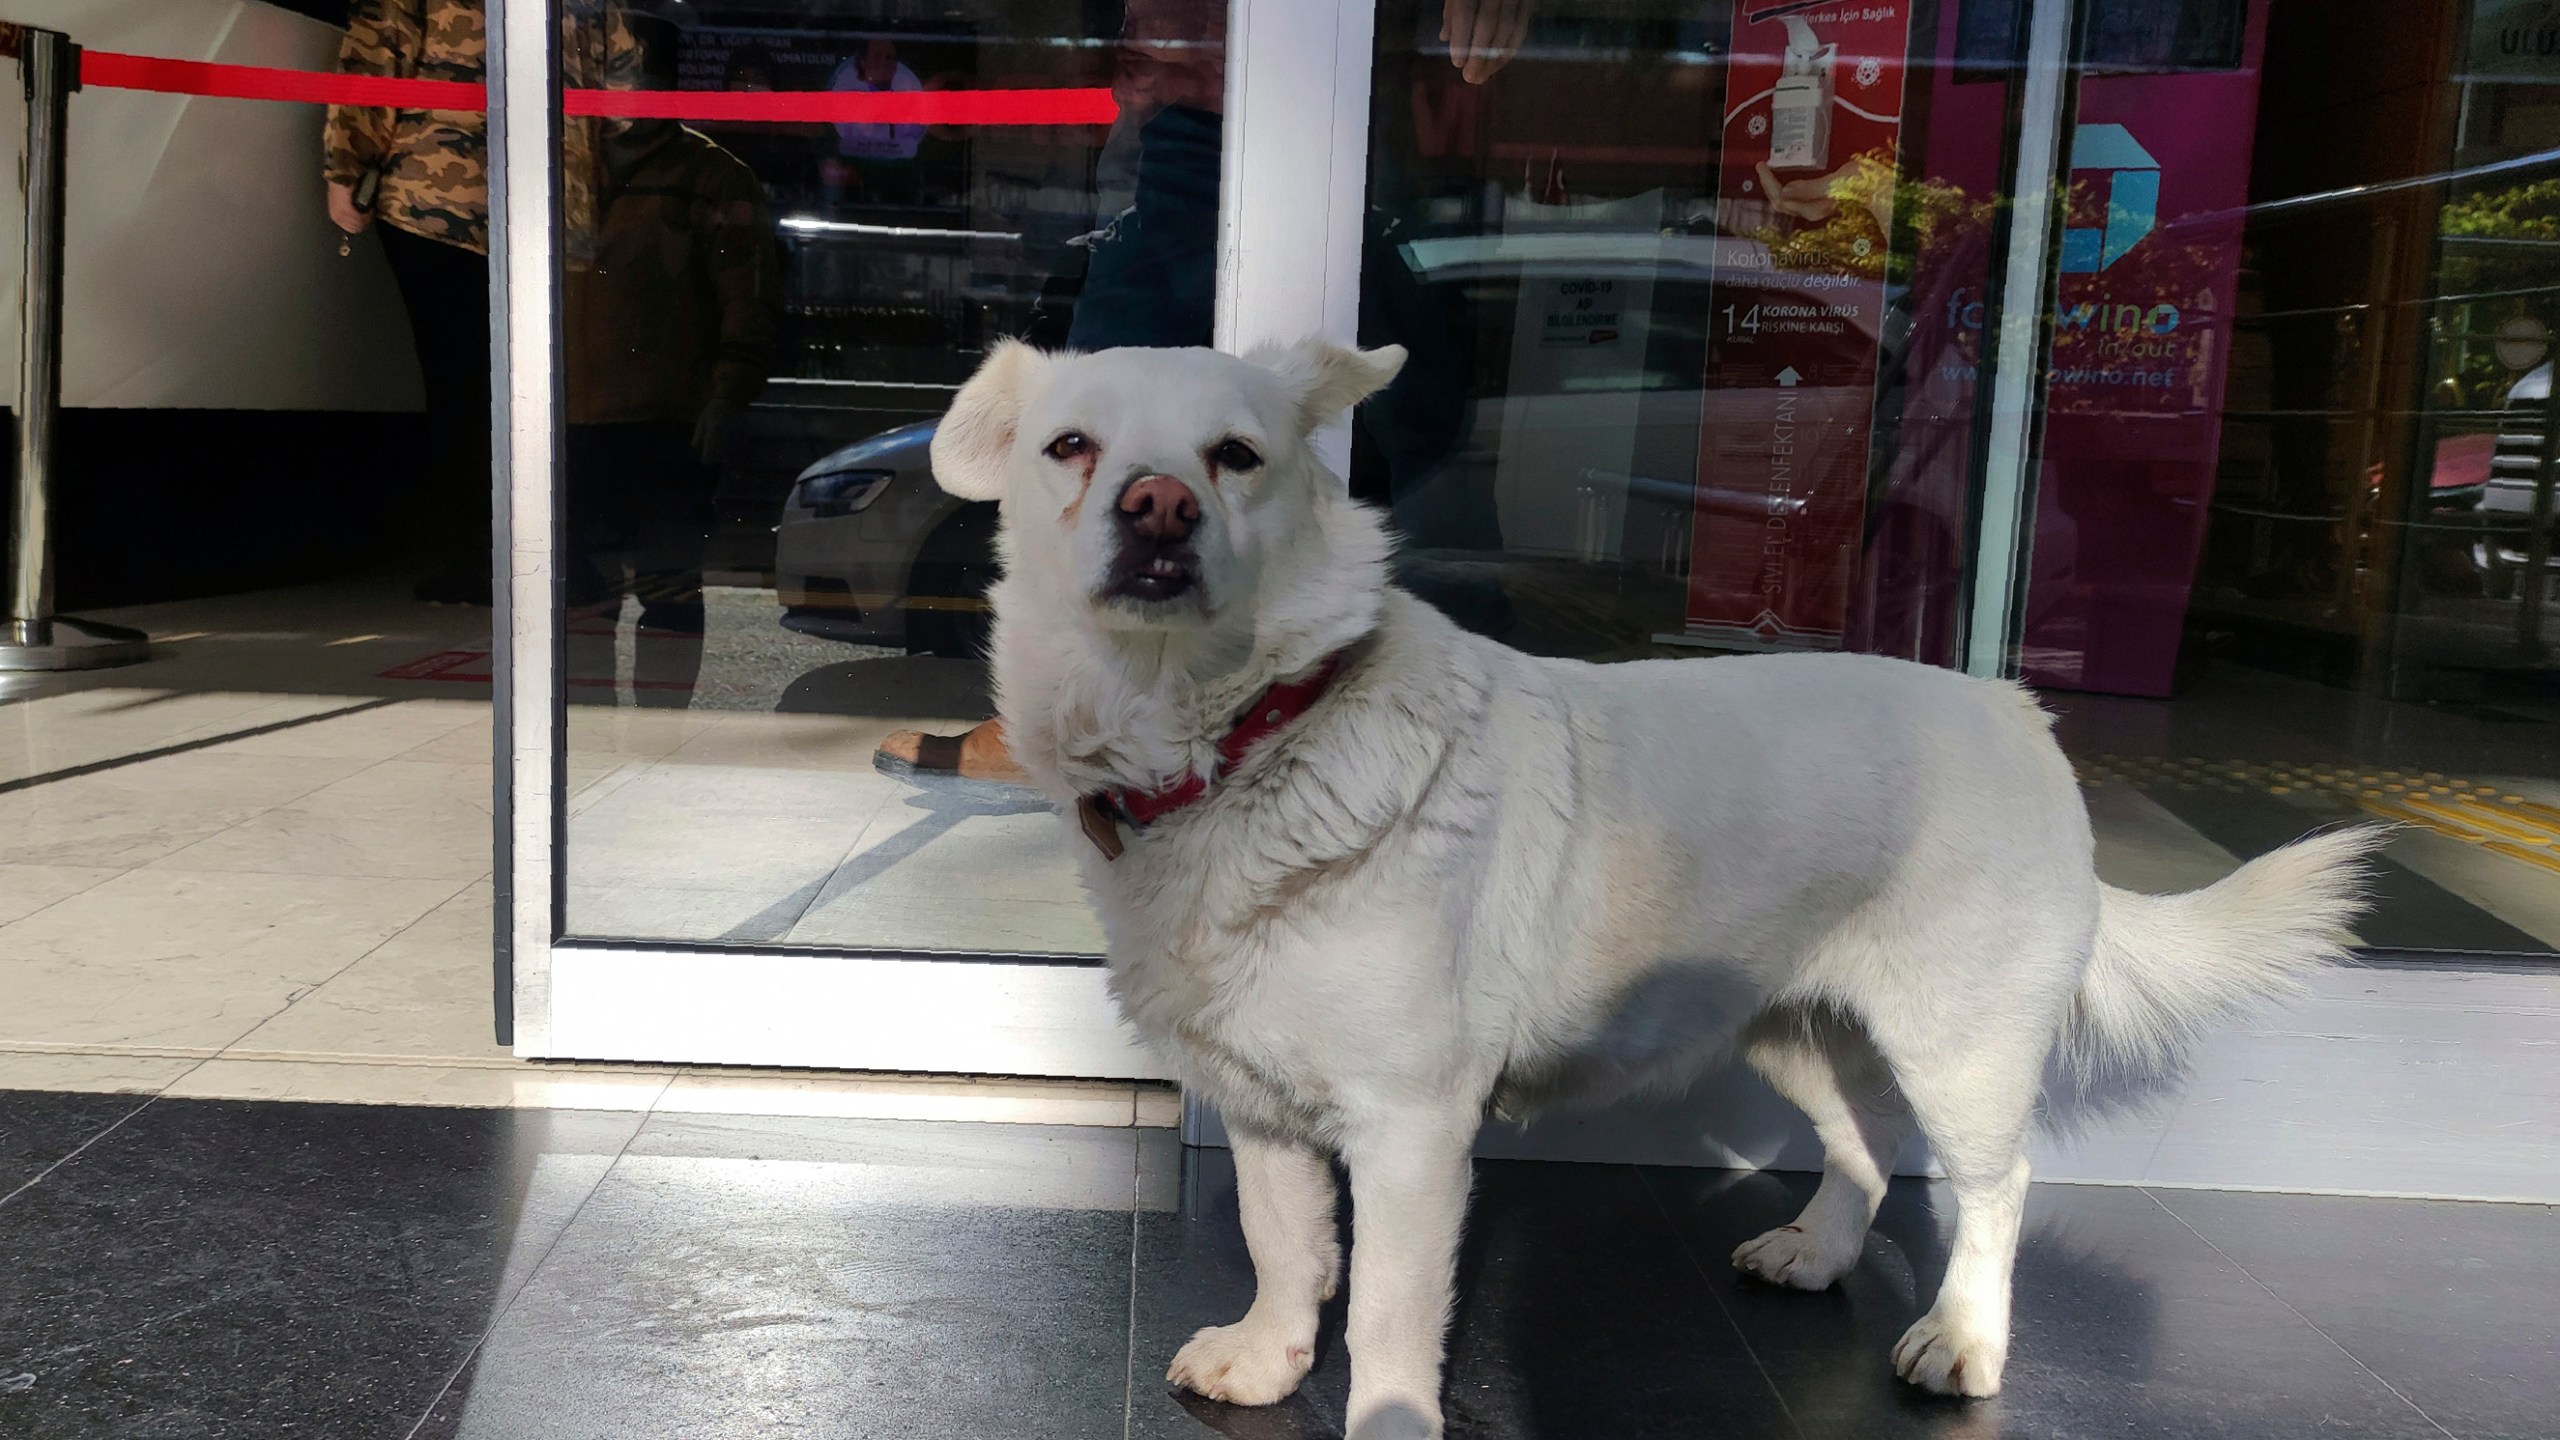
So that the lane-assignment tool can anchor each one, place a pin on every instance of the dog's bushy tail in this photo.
(2166, 967)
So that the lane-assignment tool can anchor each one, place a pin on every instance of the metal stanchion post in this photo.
(33, 637)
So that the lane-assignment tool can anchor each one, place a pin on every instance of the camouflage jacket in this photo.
(683, 306)
(434, 164)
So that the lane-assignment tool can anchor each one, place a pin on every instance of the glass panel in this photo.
(1696, 298)
(762, 319)
(2290, 554)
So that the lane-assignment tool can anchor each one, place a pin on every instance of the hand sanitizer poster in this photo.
(1813, 113)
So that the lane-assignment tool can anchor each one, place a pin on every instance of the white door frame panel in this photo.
(524, 623)
(1294, 188)
(984, 1017)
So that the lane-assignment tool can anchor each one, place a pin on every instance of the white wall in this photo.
(201, 269)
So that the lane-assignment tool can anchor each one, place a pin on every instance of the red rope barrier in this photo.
(862, 107)
(110, 71)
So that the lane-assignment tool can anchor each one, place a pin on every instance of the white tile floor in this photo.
(255, 869)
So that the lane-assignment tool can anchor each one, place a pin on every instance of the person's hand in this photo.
(343, 210)
(1814, 199)
(712, 430)
(1801, 199)
(1483, 35)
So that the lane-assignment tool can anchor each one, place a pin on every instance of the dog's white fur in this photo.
(1471, 879)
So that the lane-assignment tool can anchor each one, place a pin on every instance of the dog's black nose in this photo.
(1159, 507)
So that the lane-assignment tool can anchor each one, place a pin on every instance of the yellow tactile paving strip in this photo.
(2490, 816)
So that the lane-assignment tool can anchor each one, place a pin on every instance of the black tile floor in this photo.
(217, 1269)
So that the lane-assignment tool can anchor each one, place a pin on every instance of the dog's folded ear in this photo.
(1329, 378)
(976, 436)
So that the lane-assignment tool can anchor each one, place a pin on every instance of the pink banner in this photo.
(2141, 347)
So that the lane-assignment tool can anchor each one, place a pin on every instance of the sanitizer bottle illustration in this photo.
(1800, 108)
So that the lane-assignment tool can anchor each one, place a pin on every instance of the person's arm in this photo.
(356, 139)
(746, 276)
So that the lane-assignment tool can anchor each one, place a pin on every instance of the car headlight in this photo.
(844, 492)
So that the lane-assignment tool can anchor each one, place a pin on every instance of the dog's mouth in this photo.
(1152, 574)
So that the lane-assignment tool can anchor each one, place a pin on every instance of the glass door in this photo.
(760, 814)
(761, 321)
(2290, 559)
(1948, 330)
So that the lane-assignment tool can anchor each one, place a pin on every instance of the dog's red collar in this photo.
(1272, 711)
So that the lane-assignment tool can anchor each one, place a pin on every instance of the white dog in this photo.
(1366, 877)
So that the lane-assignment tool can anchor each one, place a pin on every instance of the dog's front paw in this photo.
(1794, 1257)
(1948, 1357)
(1242, 1364)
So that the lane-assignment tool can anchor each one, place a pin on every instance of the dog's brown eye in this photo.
(1235, 455)
(1068, 446)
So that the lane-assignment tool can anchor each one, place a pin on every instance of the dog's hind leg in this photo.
(1826, 1067)
(1973, 1090)
(1284, 1192)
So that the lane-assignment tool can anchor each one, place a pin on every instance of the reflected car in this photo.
(1591, 459)
(872, 552)
(1604, 445)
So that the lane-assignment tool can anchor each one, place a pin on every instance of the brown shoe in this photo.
(976, 764)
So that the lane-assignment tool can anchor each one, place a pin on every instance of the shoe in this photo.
(975, 765)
